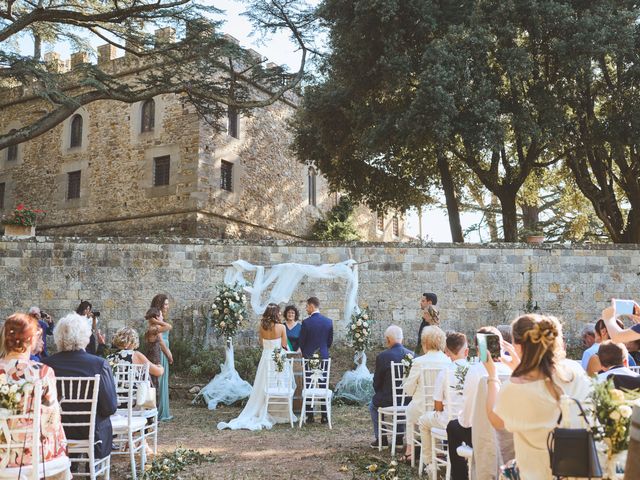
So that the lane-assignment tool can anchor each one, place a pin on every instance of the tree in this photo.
(337, 223)
(209, 69)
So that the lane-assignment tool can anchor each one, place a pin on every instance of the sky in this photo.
(279, 49)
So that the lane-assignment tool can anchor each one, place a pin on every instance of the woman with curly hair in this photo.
(255, 415)
(293, 326)
(529, 405)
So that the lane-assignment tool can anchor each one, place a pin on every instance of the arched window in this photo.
(312, 186)
(12, 151)
(76, 132)
(148, 116)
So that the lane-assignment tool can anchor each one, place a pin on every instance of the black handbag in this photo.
(572, 451)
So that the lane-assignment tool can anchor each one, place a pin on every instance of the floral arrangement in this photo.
(460, 374)
(407, 362)
(279, 358)
(23, 216)
(359, 332)
(11, 395)
(315, 362)
(229, 310)
(170, 465)
(612, 408)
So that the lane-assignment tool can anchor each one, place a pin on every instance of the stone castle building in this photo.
(156, 167)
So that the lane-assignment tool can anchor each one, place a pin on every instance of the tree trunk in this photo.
(491, 219)
(37, 46)
(453, 210)
(530, 217)
(509, 215)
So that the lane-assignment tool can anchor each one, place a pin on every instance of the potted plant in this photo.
(22, 222)
(533, 235)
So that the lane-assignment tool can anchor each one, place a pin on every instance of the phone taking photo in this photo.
(623, 307)
(488, 344)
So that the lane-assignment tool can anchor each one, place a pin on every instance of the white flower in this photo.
(3, 378)
(625, 411)
(240, 318)
(18, 397)
(353, 327)
(13, 388)
(365, 324)
(365, 317)
(357, 335)
(237, 298)
(4, 389)
(617, 395)
(216, 312)
(222, 324)
(359, 323)
(615, 415)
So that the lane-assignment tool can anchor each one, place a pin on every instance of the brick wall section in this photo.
(476, 284)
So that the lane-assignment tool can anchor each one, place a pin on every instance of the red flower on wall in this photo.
(22, 215)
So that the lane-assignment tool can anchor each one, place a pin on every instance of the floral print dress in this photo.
(54, 443)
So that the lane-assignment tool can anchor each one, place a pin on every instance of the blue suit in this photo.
(382, 384)
(82, 364)
(316, 334)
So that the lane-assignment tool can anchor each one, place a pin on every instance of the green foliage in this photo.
(337, 223)
(169, 465)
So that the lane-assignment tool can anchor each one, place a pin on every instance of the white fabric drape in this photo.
(285, 278)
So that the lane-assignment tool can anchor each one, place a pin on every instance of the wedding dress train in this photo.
(256, 415)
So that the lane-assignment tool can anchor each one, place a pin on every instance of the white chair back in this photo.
(21, 431)
(453, 398)
(429, 376)
(79, 403)
(397, 384)
(316, 376)
(127, 377)
(280, 380)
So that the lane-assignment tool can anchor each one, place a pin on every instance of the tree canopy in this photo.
(420, 96)
(207, 67)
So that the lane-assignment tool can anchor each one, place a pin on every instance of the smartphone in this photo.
(488, 343)
(623, 307)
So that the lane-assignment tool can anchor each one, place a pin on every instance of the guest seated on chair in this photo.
(434, 341)
(613, 359)
(457, 350)
(20, 333)
(126, 341)
(71, 336)
(459, 430)
(382, 381)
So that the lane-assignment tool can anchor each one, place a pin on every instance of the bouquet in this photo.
(612, 408)
(315, 363)
(228, 310)
(359, 332)
(279, 358)
(23, 216)
(407, 362)
(11, 395)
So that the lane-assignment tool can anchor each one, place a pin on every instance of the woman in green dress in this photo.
(161, 302)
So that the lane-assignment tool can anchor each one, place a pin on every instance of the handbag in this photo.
(572, 451)
(146, 395)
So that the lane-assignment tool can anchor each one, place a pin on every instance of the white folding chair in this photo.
(141, 374)
(281, 387)
(79, 403)
(453, 401)
(128, 429)
(428, 380)
(316, 392)
(397, 412)
(22, 431)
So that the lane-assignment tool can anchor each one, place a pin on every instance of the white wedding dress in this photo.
(255, 415)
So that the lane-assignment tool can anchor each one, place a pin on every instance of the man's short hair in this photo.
(394, 332)
(432, 297)
(611, 354)
(72, 333)
(314, 301)
(456, 341)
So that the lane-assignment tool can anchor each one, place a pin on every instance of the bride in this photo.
(255, 414)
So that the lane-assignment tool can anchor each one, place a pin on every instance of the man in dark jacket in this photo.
(430, 315)
(382, 382)
(316, 335)
(72, 336)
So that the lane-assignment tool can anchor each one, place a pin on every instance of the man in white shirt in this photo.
(613, 358)
(459, 430)
(458, 351)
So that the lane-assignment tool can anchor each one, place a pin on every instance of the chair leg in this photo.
(434, 457)
(329, 413)
(303, 411)
(143, 453)
(380, 417)
(394, 431)
(132, 457)
(107, 473)
(155, 434)
(291, 411)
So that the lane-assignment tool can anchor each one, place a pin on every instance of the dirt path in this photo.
(313, 452)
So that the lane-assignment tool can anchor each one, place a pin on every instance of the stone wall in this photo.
(475, 284)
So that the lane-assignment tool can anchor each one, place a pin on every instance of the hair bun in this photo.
(544, 331)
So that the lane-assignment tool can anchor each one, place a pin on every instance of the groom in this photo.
(316, 334)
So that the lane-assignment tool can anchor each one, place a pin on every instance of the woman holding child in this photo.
(161, 303)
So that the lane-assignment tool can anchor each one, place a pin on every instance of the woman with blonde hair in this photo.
(434, 342)
(529, 405)
(127, 341)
